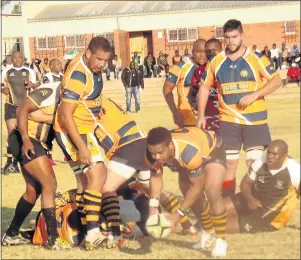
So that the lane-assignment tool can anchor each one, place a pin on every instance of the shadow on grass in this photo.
(294, 227)
(7, 216)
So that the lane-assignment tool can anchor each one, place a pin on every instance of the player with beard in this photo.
(239, 74)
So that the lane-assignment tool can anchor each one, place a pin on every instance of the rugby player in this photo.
(239, 74)
(74, 130)
(124, 144)
(17, 81)
(28, 144)
(200, 154)
(270, 192)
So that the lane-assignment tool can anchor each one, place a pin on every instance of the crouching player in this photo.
(269, 193)
(29, 144)
(200, 155)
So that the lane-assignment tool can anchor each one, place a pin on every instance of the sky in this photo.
(9, 8)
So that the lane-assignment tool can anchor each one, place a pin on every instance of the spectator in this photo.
(116, 62)
(293, 75)
(275, 56)
(162, 63)
(255, 49)
(5, 66)
(150, 66)
(35, 66)
(177, 58)
(266, 52)
(26, 63)
(132, 79)
(294, 53)
(107, 70)
(137, 60)
(298, 59)
(187, 56)
(283, 56)
(45, 66)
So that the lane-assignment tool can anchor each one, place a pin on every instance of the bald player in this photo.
(269, 193)
(16, 83)
(181, 76)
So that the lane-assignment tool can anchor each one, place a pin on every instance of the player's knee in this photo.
(49, 186)
(32, 193)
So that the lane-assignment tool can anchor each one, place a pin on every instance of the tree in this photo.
(4, 3)
(17, 9)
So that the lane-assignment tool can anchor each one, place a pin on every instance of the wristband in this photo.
(180, 213)
(154, 203)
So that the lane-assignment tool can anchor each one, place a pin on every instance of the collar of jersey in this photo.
(18, 68)
(84, 65)
(284, 165)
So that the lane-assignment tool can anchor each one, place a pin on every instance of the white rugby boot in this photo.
(220, 248)
(206, 240)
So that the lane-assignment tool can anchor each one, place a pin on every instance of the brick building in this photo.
(53, 28)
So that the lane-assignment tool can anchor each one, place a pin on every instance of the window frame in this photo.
(216, 28)
(75, 41)
(168, 31)
(286, 32)
(46, 39)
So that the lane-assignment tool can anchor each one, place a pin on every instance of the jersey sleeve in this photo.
(208, 77)
(32, 76)
(42, 96)
(253, 169)
(192, 159)
(294, 172)
(74, 87)
(174, 74)
(4, 77)
(152, 164)
(266, 68)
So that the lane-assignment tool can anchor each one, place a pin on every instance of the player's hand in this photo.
(201, 122)
(153, 211)
(178, 119)
(254, 204)
(174, 219)
(248, 100)
(5, 90)
(29, 85)
(84, 156)
(27, 148)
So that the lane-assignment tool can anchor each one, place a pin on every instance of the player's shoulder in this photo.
(293, 165)
(24, 68)
(45, 94)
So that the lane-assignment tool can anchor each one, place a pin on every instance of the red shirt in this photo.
(211, 113)
(293, 72)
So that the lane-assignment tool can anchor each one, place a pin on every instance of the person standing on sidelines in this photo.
(239, 75)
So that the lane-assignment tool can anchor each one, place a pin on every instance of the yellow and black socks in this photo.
(111, 212)
(92, 205)
(171, 204)
(220, 224)
(23, 209)
(206, 221)
(80, 208)
(51, 226)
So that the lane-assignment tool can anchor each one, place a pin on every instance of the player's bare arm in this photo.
(246, 189)
(202, 99)
(155, 189)
(40, 117)
(168, 95)
(22, 118)
(271, 86)
(67, 110)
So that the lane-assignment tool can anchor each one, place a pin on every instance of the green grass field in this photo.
(284, 121)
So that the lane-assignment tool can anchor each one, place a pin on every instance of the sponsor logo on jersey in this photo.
(279, 185)
(261, 179)
(11, 74)
(234, 87)
(24, 73)
(244, 73)
(44, 92)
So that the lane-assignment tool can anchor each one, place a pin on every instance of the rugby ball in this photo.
(158, 226)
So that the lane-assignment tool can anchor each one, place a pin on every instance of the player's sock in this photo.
(220, 224)
(51, 226)
(171, 204)
(229, 187)
(206, 219)
(80, 208)
(111, 211)
(23, 209)
(92, 205)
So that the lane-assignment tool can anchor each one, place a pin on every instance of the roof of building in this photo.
(98, 9)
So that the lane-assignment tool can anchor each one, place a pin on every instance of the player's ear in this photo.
(88, 54)
(170, 145)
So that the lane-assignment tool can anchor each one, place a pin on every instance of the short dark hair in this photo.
(158, 135)
(45, 59)
(232, 25)
(214, 41)
(99, 44)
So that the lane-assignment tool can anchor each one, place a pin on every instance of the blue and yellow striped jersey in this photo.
(236, 79)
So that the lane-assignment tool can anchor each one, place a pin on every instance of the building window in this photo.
(75, 41)
(182, 35)
(11, 45)
(219, 32)
(290, 27)
(109, 36)
(46, 43)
